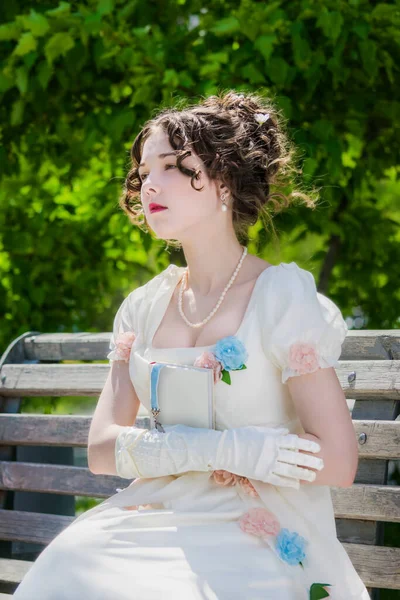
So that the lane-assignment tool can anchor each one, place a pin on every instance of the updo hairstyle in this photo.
(251, 154)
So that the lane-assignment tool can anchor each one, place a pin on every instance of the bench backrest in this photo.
(34, 365)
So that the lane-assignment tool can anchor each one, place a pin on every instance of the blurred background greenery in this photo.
(79, 79)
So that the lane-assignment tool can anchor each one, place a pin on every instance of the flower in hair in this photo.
(261, 117)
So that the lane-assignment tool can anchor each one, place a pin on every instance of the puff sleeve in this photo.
(303, 330)
(126, 326)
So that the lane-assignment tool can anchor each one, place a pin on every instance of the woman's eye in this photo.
(144, 174)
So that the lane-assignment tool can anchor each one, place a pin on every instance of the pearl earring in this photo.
(224, 206)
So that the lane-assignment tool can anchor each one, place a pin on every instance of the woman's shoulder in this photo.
(302, 329)
(163, 280)
(287, 280)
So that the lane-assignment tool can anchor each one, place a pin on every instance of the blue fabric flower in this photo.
(290, 546)
(231, 353)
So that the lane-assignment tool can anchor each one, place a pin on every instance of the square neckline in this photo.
(152, 348)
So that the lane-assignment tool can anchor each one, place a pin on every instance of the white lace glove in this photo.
(266, 454)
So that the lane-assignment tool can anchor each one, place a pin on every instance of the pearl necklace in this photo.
(214, 310)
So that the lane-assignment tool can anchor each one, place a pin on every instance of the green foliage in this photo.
(78, 80)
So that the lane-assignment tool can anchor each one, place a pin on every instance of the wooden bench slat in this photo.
(378, 566)
(383, 437)
(49, 430)
(369, 502)
(58, 479)
(24, 526)
(13, 571)
(374, 379)
(368, 344)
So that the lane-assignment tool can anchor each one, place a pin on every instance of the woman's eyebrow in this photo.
(161, 156)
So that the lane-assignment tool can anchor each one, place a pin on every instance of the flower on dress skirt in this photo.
(290, 546)
(142, 506)
(259, 522)
(123, 344)
(207, 360)
(303, 358)
(225, 478)
(232, 355)
(248, 487)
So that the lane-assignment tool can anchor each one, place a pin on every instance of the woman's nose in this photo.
(150, 187)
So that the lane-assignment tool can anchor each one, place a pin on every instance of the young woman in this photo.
(241, 511)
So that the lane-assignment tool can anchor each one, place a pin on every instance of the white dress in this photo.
(178, 536)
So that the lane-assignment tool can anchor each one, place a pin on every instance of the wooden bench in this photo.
(369, 372)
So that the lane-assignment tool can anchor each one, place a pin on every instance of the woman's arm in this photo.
(117, 407)
(323, 412)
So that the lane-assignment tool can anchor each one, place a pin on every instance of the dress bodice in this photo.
(288, 328)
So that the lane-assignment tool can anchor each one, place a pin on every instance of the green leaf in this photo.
(301, 51)
(36, 23)
(241, 368)
(317, 591)
(9, 31)
(6, 82)
(265, 45)
(368, 50)
(277, 70)
(226, 377)
(44, 74)
(17, 112)
(58, 45)
(21, 77)
(105, 7)
(225, 26)
(331, 23)
(63, 9)
(26, 44)
(251, 73)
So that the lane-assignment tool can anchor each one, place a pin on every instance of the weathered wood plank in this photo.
(378, 566)
(13, 571)
(372, 344)
(368, 502)
(374, 379)
(382, 442)
(58, 479)
(50, 430)
(23, 526)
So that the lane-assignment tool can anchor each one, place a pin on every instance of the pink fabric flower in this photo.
(248, 487)
(225, 477)
(133, 507)
(303, 358)
(207, 360)
(259, 522)
(140, 506)
(123, 344)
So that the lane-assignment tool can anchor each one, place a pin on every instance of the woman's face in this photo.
(188, 212)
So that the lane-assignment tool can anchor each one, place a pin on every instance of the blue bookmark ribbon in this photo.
(154, 380)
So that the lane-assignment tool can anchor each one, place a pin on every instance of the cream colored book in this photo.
(182, 394)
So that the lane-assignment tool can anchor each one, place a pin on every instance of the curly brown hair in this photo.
(255, 159)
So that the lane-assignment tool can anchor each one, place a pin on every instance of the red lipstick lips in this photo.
(153, 207)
